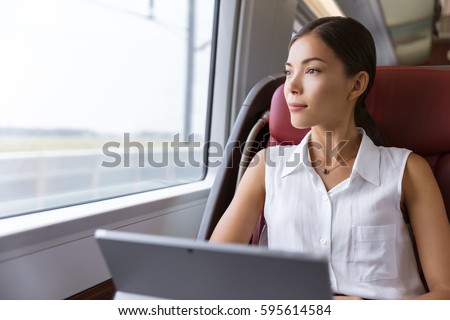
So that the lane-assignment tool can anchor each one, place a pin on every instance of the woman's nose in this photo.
(294, 85)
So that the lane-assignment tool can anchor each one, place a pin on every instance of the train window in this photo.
(101, 98)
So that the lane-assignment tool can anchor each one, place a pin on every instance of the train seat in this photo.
(411, 107)
(409, 104)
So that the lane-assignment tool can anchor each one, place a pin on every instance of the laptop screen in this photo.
(173, 268)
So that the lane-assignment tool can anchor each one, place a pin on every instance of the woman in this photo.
(347, 197)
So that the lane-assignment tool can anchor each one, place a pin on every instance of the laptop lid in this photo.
(172, 268)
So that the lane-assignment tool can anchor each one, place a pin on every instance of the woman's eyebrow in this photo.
(307, 60)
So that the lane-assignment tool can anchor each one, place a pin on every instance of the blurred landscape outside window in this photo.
(98, 98)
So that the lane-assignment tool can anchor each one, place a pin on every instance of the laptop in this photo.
(158, 267)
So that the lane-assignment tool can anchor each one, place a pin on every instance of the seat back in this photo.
(411, 106)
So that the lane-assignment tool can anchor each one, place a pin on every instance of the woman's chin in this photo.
(300, 124)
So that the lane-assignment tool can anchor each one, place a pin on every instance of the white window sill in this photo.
(32, 232)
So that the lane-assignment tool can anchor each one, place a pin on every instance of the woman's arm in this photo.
(430, 225)
(241, 216)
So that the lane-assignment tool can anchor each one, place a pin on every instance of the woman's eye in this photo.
(312, 71)
(287, 72)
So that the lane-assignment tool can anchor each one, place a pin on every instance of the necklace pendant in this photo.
(325, 171)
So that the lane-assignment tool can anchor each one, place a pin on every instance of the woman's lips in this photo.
(296, 107)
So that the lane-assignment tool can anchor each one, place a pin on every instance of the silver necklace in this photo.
(327, 171)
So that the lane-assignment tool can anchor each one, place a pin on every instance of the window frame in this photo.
(43, 240)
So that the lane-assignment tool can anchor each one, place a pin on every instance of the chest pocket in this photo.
(374, 252)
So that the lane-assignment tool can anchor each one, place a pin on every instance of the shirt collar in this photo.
(367, 162)
(294, 161)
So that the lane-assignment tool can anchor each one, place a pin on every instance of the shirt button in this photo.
(325, 197)
(323, 241)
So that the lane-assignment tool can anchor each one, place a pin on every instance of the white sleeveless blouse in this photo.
(357, 225)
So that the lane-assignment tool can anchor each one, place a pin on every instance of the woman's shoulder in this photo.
(281, 150)
(394, 154)
(417, 163)
(280, 154)
(393, 149)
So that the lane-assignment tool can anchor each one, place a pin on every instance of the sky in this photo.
(100, 65)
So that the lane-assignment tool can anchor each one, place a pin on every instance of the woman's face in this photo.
(317, 89)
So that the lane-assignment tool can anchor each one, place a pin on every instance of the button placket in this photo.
(325, 239)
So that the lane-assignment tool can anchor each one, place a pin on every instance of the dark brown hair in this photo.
(354, 46)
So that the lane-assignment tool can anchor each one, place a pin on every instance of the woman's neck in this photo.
(333, 145)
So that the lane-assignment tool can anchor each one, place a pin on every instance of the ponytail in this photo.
(364, 120)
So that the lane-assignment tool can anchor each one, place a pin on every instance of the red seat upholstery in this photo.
(411, 106)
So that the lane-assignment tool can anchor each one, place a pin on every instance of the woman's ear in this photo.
(360, 82)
